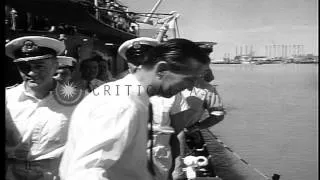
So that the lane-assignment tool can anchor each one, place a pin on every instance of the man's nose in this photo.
(32, 71)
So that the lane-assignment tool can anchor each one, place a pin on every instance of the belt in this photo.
(28, 164)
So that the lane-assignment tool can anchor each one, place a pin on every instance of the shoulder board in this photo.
(10, 87)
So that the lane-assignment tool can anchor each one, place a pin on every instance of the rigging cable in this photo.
(130, 12)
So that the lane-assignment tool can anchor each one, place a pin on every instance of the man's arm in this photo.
(214, 106)
(180, 113)
(13, 137)
(206, 123)
(180, 120)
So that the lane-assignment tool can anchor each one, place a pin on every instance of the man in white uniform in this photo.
(37, 123)
(135, 51)
(108, 132)
(165, 110)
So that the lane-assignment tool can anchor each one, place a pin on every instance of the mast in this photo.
(96, 9)
(266, 50)
(236, 50)
(155, 7)
(246, 46)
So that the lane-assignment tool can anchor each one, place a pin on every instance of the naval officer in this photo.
(39, 120)
(135, 52)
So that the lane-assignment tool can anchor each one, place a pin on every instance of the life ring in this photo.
(201, 161)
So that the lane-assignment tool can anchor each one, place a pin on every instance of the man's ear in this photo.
(161, 68)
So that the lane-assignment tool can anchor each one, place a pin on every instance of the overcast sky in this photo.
(233, 23)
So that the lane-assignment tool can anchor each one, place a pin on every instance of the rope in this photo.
(238, 156)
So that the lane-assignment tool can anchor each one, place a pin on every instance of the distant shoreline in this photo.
(260, 63)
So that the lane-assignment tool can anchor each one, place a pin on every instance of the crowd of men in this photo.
(134, 129)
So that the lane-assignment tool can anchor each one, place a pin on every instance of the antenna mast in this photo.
(155, 7)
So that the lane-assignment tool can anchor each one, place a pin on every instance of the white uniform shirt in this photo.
(162, 109)
(108, 134)
(41, 125)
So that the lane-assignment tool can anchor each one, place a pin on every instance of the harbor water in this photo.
(272, 117)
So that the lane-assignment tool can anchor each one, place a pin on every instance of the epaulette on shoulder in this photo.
(10, 87)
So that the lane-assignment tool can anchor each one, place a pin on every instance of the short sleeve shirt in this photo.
(41, 124)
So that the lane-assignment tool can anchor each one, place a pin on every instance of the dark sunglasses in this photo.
(23, 66)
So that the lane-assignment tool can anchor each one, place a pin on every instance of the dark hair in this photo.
(176, 52)
(85, 61)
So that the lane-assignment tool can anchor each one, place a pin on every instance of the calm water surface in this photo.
(272, 119)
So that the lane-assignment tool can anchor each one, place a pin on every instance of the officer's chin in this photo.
(32, 83)
(167, 95)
